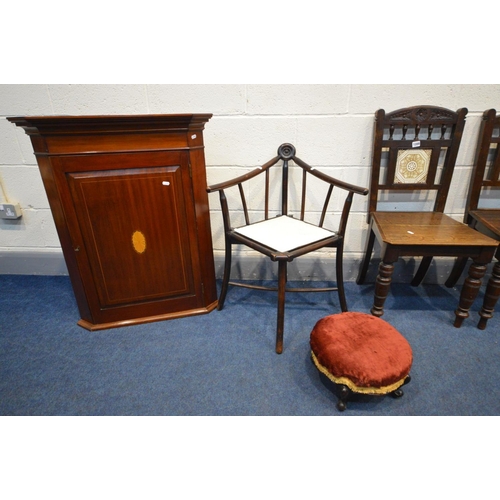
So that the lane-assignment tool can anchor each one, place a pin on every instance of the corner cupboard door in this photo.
(135, 216)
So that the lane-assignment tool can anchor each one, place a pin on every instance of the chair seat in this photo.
(427, 228)
(284, 233)
(490, 218)
(361, 351)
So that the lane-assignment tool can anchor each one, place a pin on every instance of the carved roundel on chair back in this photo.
(286, 151)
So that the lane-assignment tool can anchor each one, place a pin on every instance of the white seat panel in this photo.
(284, 233)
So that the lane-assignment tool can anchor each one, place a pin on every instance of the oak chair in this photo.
(484, 190)
(280, 233)
(414, 153)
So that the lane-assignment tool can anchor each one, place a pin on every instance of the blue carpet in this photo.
(224, 363)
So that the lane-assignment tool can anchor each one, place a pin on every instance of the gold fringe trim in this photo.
(362, 390)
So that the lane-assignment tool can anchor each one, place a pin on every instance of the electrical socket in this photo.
(10, 211)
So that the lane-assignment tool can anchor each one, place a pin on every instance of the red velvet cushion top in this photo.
(363, 348)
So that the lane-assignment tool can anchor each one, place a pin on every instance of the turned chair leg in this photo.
(490, 297)
(382, 286)
(469, 292)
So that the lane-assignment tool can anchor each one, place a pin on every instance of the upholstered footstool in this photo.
(361, 353)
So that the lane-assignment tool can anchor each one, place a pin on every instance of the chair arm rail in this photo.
(242, 178)
(330, 180)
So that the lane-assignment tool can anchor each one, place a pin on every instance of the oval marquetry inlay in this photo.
(139, 242)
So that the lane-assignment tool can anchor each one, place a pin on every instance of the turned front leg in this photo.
(382, 286)
(469, 292)
(490, 297)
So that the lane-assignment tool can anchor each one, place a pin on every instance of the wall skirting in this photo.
(51, 262)
(321, 269)
(45, 262)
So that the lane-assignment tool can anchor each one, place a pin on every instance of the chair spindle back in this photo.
(486, 170)
(408, 149)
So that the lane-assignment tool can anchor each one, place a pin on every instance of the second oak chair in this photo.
(281, 233)
(482, 211)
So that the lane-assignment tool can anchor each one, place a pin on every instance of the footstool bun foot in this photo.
(398, 393)
(341, 406)
(345, 392)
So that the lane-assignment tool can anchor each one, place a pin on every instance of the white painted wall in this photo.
(330, 125)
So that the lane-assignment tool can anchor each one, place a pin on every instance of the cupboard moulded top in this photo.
(100, 133)
(71, 123)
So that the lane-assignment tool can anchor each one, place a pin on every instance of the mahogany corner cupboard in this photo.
(128, 196)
